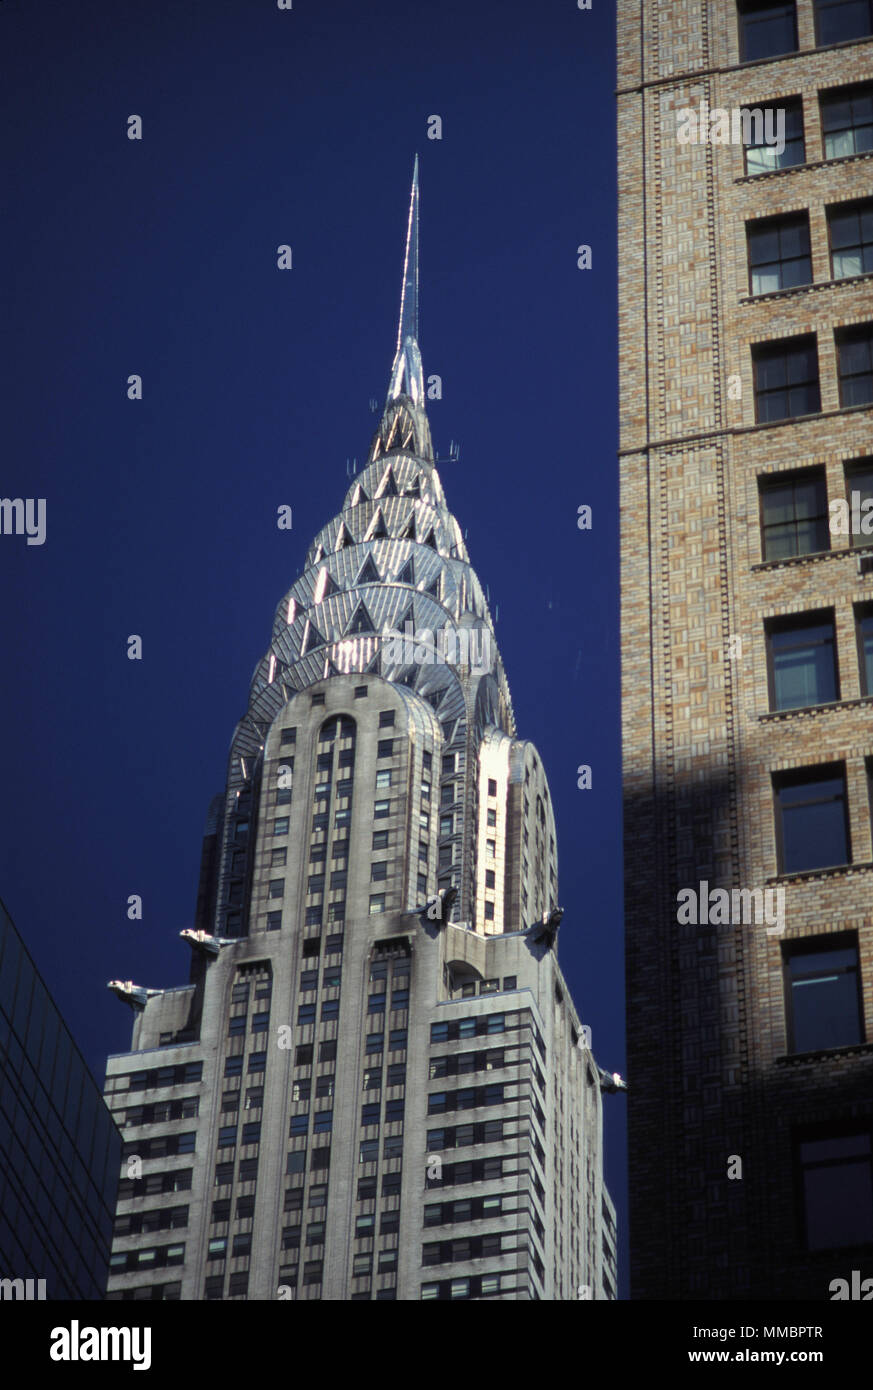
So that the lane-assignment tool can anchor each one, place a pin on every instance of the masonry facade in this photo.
(375, 1084)
(746, 380)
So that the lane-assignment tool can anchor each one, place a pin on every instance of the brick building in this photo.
(746, 384)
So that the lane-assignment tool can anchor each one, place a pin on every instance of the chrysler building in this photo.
(375, 1084)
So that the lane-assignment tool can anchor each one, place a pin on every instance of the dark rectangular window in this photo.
(812, 828)
(864, 629)
(794, 514)
(802, 661)
(850, 227)
(767, 29)
(762, 157)
(838, 21)
(385, 748)
(823, 1006)
(786, 379)
(847, 120)
(859, 499)
(779, 256)
(835, 1171)
(380, 839)
(855, 364)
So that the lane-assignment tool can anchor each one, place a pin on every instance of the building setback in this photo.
(375, 1084)
(746, 385)
(59, 1147)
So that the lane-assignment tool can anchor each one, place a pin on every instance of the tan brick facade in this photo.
(711, 1070)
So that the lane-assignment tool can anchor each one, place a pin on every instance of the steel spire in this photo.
(406, 374)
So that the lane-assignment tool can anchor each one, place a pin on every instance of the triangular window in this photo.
(377, 529)
(324, 585)
(369, 574)
(388, 486)
(407, 574)
(311, 638)
(361, 622)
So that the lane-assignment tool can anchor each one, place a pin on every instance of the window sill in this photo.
(816, 875)
(813, 556)
(777, 715)
(801, 168)
(824, 1054)
(799, 290)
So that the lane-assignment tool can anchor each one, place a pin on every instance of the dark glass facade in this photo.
(60, 1150)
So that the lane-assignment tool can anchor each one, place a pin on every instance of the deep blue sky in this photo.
(158, 257)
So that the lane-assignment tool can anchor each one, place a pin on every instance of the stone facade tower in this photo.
(745, 137)
(375, 1084)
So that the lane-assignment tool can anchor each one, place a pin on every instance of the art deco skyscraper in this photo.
(376, 1084)
(746, 361)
